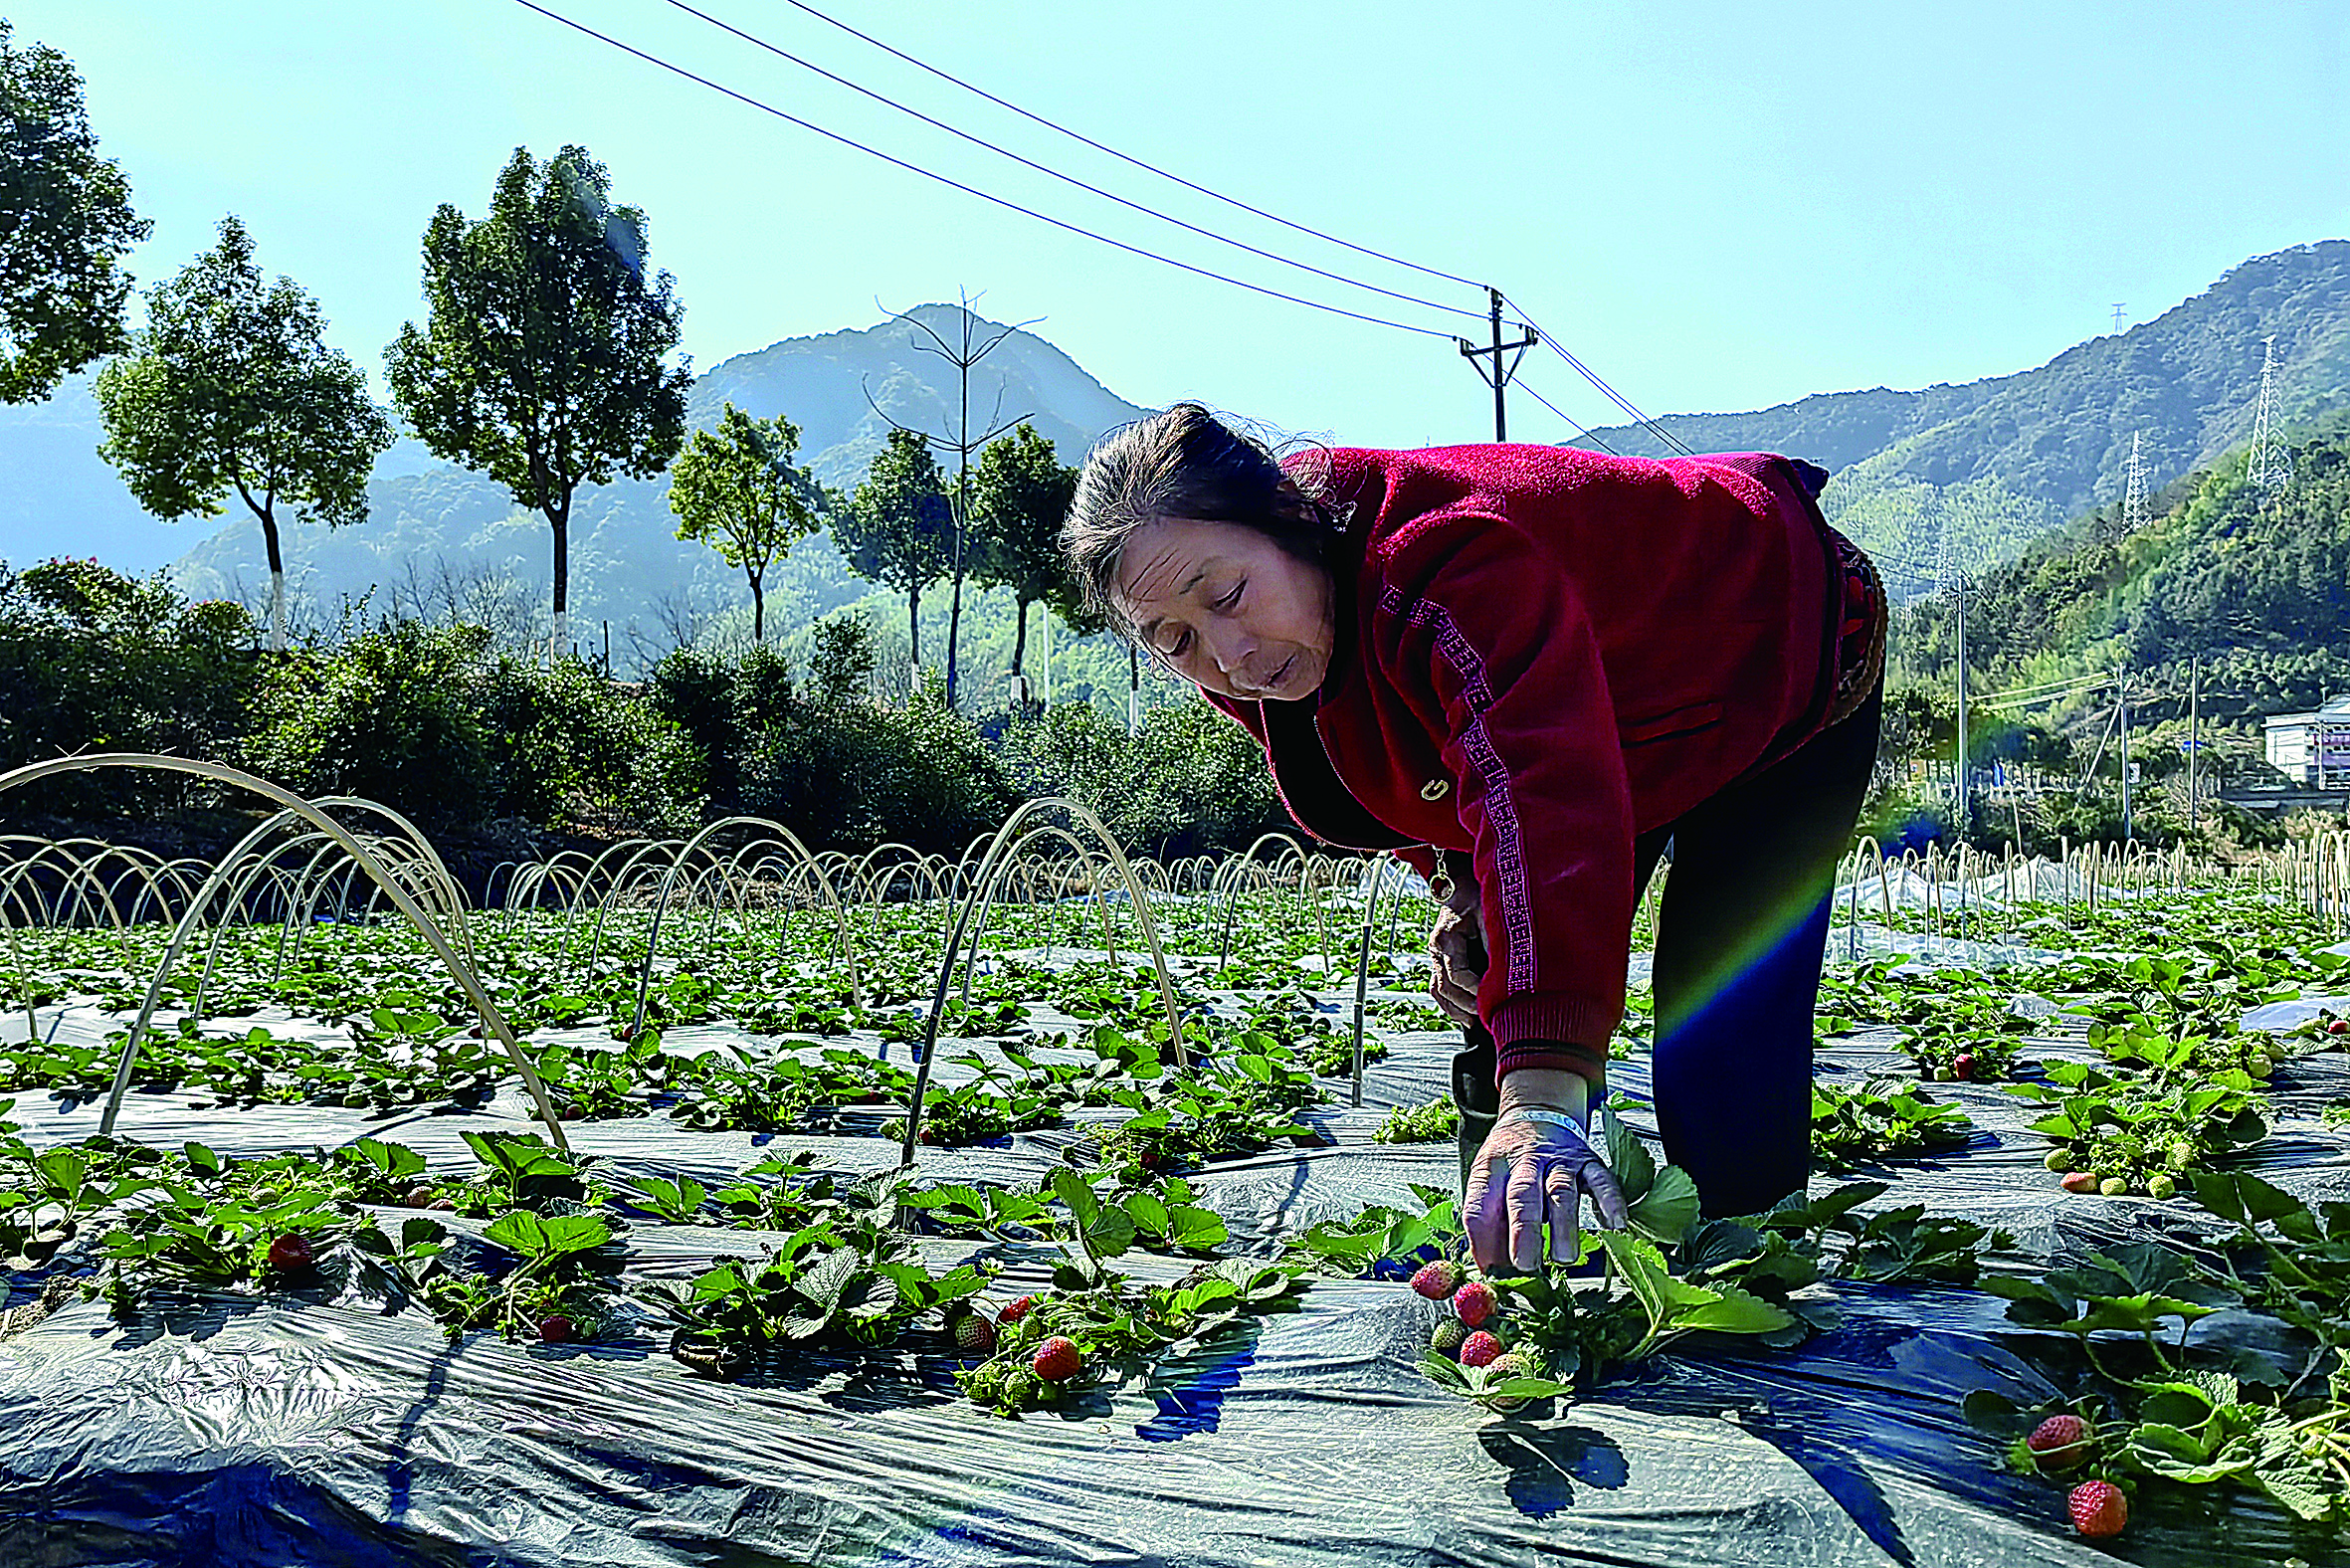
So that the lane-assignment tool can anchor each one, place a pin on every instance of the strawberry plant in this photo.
(1433, 1123)
(1881, 1121)
(1114, 1329)
(846, 1279)
(557, 1273)
(2127, 1133)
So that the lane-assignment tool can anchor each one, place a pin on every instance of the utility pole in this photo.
(1497, 376)
(2194, 732)
(1955, 581)
(2121, 686)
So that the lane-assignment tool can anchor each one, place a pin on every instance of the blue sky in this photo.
(1716, 206)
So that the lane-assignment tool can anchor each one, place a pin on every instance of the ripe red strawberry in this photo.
(1963, 1067)
(2079, 1181)
(1473, 1302)
(1437, 1281)
(1479, 1349)
(2059, 1442)
(2098, 1509)
(1016, 1312)
(1056, 1360)
(290, 1254)
(2340, 1025)
(975, 1335)
(556, 1329)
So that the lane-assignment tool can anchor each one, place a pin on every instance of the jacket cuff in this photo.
(1551, 1029)
(1587, 1061)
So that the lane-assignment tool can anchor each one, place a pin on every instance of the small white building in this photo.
(2313, 749)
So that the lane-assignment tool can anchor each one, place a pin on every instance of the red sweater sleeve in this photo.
(1482, 626)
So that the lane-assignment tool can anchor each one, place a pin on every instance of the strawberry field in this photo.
(713, 1201)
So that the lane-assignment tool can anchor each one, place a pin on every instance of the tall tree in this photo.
(65, 226)
(543, 362)
(231, 389)
(1021, 492)
(896, 529)
(736, 490)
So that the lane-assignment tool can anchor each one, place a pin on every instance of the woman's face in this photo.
(1228, 609)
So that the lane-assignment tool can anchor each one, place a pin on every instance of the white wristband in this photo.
(1557, 1118)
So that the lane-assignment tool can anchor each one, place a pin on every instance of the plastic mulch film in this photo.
(229, 1432)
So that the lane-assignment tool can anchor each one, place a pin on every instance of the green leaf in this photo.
(1730, 1312)
(521, 1231)
(1629, 1158)
(2167, 1450)
(1668, 1208)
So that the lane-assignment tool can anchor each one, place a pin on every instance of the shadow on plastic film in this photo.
(1189, 1389)
(1545, 1462)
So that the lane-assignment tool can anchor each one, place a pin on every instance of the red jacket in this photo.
(1542, 653)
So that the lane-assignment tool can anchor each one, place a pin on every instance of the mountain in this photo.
(2001, 461)
(2253, 581)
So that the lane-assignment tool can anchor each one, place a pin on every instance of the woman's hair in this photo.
(1187, 462)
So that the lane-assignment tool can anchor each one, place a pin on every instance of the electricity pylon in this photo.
(2267, 465)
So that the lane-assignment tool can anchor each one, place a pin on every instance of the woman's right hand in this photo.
(1456, 943)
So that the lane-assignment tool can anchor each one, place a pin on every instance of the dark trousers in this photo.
(1740, 934)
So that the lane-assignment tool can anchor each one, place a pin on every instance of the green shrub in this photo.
(566, 745)
(389, 715)
(850, 775)
(94, 661)
(1192, 781)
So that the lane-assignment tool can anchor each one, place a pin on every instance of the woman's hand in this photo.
(1457, 945)
(1535, 1165)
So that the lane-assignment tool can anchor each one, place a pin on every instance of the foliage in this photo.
(1433, 1123)
(230, 388)
(736, 490)
(94, 661)
(67, 228)
(1192, 781)
(1881, 1120)
(897, 528)
(544, 360)
(1019, 492)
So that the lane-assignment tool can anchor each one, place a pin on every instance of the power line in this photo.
(970, 190)
(1671, 441)
(1066, 179)
(1520, 384)
(1152, 168)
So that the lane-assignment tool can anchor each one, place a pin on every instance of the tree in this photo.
(1021, 494)
(65, 226)
(736, 491)
(542, 363)
(895, 529)
(231, 387)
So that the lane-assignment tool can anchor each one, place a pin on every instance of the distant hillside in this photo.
(2001, 461)
(2256, 587)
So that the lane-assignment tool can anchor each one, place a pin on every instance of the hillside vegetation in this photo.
(1994, 463)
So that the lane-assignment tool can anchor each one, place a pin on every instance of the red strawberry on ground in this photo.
(975, 1335)
(1473, 1302)
(1437, 1281)
(1016, 1312)
(1056, 1360)
(290, 1254)
(2340, 1025)
(2098, 1509)
(1479, 1349)
(2079, 1181)
(1963, 1067)
(556, 1329)
(2059, 1442)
